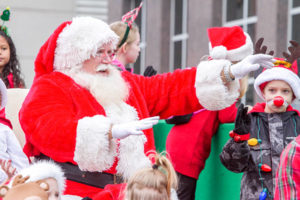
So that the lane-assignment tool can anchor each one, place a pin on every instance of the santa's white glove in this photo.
(251, 63)
(123, 130)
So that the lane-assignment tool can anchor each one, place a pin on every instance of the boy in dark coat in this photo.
(261, 135)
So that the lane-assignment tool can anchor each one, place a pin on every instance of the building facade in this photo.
(173, 32)
(33, 21)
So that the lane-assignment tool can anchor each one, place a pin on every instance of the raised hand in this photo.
(242, 121)
(251, 63)
(242, 125)
(123, 130)
(150, 71)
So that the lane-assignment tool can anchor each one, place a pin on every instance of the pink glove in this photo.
(123, 130)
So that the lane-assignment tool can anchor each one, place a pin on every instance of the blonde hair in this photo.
(119, 28)
(153, 183)
(243, 86)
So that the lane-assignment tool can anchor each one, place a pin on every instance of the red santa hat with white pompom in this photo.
(230, 43)
(72, 43)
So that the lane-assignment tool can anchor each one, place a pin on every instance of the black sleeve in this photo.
(235, 156)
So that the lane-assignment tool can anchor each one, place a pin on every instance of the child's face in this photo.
(277, 88)
(133, 50)
(4, 53)
(53, 189)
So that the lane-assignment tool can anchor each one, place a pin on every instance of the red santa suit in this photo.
(64, 121)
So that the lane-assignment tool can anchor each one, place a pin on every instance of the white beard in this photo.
(107, 89)
(111, 91)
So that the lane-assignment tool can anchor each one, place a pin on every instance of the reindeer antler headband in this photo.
(129, 18)
(294, 50)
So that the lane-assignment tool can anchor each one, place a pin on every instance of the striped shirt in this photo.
(288, 173)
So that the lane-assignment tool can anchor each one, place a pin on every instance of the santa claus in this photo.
(96, 121)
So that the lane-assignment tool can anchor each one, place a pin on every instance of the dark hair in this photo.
(13, 65)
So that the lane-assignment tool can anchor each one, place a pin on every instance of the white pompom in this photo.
(219, 52)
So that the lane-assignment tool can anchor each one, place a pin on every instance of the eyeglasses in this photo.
(102, 53)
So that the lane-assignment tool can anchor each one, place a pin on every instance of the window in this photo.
(294, 30)
(294, 20)
(139, 65)
(95, 8)
(242, 13)
(178, 34)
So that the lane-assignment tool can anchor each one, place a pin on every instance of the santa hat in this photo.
(72, 43)
(45, 169)
(230, 43)
(283, 71)
(3, 92)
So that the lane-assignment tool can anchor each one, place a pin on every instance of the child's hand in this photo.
(8, 168)
(242, 121)
(150, 71)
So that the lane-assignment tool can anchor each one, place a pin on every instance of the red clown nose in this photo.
(278, 101)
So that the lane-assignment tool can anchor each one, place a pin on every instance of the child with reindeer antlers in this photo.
(260, 136)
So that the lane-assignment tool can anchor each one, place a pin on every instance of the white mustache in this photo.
(102, 68)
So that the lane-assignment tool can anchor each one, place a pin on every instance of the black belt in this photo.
(95, 179)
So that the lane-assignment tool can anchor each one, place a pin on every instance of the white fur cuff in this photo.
(94, 151)
(210, 90)
(132, 156)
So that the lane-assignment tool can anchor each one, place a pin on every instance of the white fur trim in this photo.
(219, 52)
(45, 169)
(70, 197)
(234, 54)
(3, 92)
(278, 73)
(132, 156)
(173, 194)
(131, 149)
(210, 90)
(94, 151)
(80, 40)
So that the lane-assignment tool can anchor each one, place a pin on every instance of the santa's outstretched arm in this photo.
(188, 90)
(217, 83)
